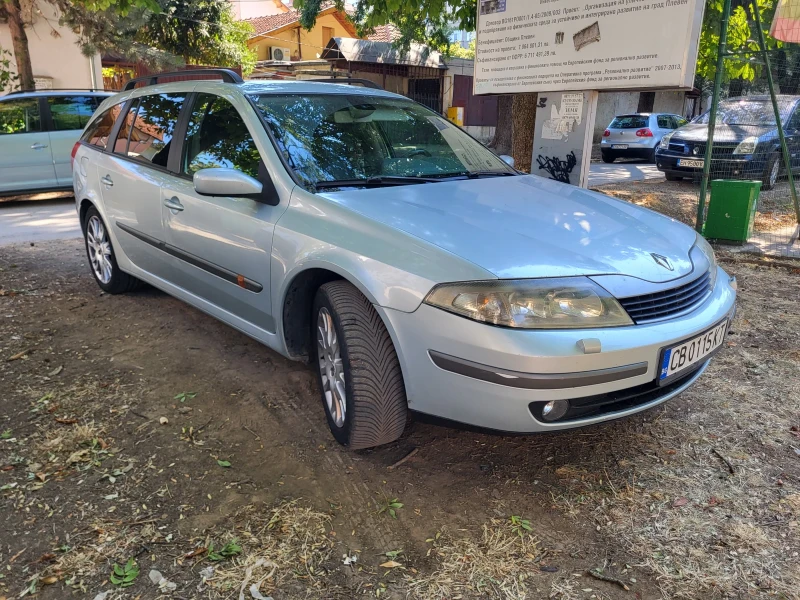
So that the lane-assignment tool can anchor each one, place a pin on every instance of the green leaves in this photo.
(229, 550)
(391, 506)
(224, 463)
(125, 576)
(5, 435)
(184, 395)
(519, 525)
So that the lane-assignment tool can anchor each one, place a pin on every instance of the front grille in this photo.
(669, 303)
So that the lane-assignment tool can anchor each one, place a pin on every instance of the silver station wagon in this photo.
(412, 267)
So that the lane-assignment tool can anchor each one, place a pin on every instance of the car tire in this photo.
(608, 158)
(672, 176)
(347, 331)
(771, 173)
(102, 260)
(651, 157)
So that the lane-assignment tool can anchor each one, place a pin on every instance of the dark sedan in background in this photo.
(746, 144)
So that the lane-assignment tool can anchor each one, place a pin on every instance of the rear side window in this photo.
(71, 112)
(218, 137)
(665, 122)
(153, 128)
(99, 129)
(121, 143)
(20, 116)
(629, 122)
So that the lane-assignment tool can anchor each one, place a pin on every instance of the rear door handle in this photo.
(173, 204)
(38, 146)
(106, 180)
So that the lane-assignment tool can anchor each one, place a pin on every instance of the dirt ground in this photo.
(137, 430)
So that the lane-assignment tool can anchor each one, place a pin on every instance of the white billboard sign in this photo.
(563, 45)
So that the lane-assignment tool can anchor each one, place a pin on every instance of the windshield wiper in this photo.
(376, 181)
(479, 174)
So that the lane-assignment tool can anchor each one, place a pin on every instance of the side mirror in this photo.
(226, 182)
(509, 160)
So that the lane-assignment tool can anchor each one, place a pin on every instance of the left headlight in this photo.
(558, 303)
(747, 145)
(664, 144)
(708, 251)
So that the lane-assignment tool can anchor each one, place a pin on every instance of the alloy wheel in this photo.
(331, 367)
(99, 249)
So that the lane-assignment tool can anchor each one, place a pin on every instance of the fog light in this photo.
(554, 410)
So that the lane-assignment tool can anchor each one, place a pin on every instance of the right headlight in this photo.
(708, 251)
(558, 303)
(664, 144)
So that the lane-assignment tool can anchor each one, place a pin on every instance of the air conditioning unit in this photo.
(282, 54)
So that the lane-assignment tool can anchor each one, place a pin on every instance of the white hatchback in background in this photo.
(637, 135)
(38, 130)
(412, 267)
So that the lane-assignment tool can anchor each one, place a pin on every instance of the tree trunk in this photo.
(513, 135)
(501, 143)
(524, 120)
(20, 44)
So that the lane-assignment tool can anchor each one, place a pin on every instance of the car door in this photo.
(131, 176)
(68, 115)
(26, 162)
(792, 134)
(221, 245)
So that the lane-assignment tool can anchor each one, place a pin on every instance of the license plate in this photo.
(685, 355)
(689, 162)
(619, 146)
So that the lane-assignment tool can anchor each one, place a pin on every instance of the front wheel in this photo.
(101, 256)
(672, 176)
(772, 171)
(358, 371)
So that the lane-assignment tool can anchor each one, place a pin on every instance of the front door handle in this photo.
(173, 204)
(106, 180)
(38, 146)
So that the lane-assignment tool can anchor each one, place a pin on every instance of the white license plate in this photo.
(679, 358)
(619, 146)
(688, 162)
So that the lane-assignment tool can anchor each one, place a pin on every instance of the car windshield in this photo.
(629, 122)
(351, 138)
(745, 111)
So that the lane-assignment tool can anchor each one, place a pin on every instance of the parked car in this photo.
(637, 136)
(746, 144)
(415, 269)
(37, 132)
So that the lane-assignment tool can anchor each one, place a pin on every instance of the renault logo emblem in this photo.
(662, 261)
(696, 151)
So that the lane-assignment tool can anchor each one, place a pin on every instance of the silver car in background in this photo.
(38, 130)
(412, 267)
(637, 135)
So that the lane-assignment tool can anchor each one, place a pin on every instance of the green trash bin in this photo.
(731, 210)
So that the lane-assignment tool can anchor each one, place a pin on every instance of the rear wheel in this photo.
(608, 158)
(102, 261)
(358, 372)
(772, 171)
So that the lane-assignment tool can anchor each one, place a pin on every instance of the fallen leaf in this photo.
(18, 355)
(66, 421)
(391, 564)
(55, 371)
(224, 463)
(49, 580)
(682, 501)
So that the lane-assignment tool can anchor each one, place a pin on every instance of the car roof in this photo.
(56, 92)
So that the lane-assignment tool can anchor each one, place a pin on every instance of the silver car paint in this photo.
(395, 244)
(628, 136)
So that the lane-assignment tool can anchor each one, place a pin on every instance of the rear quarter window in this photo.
(99, 129)
(630, 122)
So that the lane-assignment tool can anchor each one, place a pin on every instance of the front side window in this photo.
(218, 137)
(20, 116)
(99, 129)
(338, 137)
(71, 112)
(152, 130)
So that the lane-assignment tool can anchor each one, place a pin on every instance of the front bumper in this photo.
(424, 336)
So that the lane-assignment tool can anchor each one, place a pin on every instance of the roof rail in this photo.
(59, 90)
(227, 75)
(347, 81)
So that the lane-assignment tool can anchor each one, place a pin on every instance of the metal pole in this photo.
(712, 116)
(787, 160)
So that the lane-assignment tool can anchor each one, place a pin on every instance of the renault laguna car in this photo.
(412, 267)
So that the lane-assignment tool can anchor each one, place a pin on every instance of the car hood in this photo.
(697, 132)
(528, 226)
